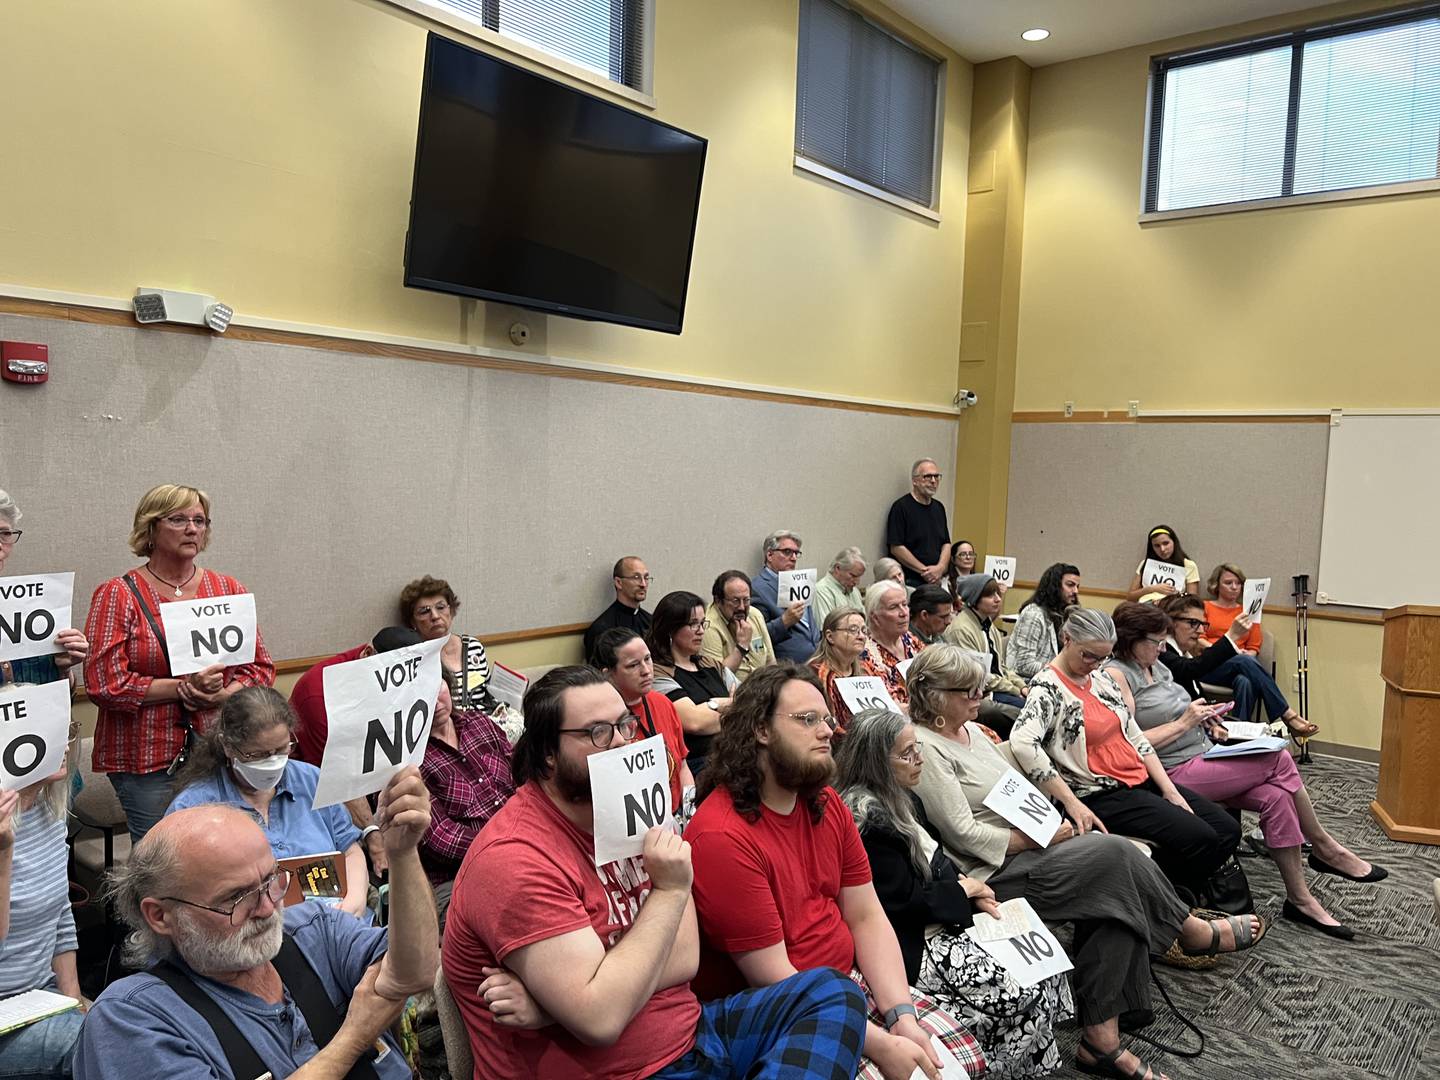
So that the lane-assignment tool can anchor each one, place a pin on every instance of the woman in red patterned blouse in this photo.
(144, 711)
(890, 644)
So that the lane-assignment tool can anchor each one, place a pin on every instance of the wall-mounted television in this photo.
(532, 193)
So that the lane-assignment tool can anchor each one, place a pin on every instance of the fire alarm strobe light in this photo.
(24, 362)
(190, 309)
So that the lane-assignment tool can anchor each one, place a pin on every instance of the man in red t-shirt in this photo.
(624, 659)
(307, 701)
(782, 881)
(564, 969)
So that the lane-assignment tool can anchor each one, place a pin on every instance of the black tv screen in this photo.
(531, 193)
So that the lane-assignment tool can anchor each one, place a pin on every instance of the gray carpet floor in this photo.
(1302, 1005)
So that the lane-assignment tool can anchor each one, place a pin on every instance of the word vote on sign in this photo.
(630, 794)
(1001, 568)
(209, 630)
(380, 709)
(861, 692)
(33, 609)
(795, 585)
(1155, 572)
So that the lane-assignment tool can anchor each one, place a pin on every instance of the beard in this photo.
(805, 773)
(249, 946)
(571, 780)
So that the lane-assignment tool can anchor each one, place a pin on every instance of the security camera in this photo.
(966, 398)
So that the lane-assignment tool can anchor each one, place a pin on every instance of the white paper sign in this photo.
(630, 794)
(1031, 955)
(903, 667)
(1001, 568)
(1156, 572)
(507, 686)
(1253, 598)
(795, 585)
(861, 692)
(380, 709)
(1023, 805)
(209, 630)
(33, 609)
(1244, 729)
(950, 1067)
(34, 728)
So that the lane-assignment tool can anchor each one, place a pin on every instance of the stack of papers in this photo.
(26, 1008)
(1267, 744)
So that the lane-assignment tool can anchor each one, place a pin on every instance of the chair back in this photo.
(97, 806)
(452, 1031)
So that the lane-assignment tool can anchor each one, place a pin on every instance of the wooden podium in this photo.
(1408, 798)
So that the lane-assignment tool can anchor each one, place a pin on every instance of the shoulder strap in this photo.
(149, 617)
(320, 1012)
(244, 1062)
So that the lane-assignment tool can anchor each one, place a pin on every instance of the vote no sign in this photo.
(861, 692)
(1021, 804)
(33, 609)
(34, 727)
(1001, 568)
(1020, 942)
(630, 794)
(209, 630)
(1253, 600)
(795, 585)
(380, 710)
(1163, 573)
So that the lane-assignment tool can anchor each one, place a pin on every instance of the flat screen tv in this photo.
(531, 193)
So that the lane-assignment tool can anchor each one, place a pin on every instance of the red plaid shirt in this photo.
(467, 786)
(126, 657)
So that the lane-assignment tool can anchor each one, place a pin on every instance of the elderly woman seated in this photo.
(245, 762)
(1268, 783)
(1077, 740)
(889, 643)
(1123, 908)
(930, 904)
(428, 605)
(842, 639)
(888, 569)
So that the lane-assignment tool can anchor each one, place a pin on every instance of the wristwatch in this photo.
(892, 1016)
(712, 706)
(367, 830)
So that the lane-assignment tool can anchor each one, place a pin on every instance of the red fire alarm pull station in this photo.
(24, 361)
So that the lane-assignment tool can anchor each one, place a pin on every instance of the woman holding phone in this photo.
(1182, 730)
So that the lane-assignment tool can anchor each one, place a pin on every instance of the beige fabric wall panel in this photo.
(336, 477)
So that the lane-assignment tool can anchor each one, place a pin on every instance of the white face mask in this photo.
(264, 774)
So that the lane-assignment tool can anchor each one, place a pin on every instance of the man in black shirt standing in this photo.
(632, 582)
(917, 532)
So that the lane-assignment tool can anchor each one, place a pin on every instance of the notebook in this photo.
(26, 1008)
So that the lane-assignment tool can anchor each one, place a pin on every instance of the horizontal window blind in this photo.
(866, 102)
(606, 36)
(1328, 108)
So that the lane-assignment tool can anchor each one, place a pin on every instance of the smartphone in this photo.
(1220, 710)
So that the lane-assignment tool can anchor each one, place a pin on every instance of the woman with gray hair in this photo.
(889, 644)
(930, 904)
(1123, 908)
(1077, 739)
(888, 569)
(245, 762)
(74, 647)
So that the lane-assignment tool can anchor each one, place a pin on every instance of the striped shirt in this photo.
(42, 925)
(126, 657)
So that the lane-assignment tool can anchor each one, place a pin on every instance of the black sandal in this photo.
(1244, 937)
(1104, 1064)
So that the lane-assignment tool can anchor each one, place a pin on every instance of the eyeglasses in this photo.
(1093, 658)
(929, 476)
(245, 904)
(11, 536)
(260, 755)
(789, 553)
(702, 625)
(602, 735)
(853, 631)
(810, 719)
(440, 608)
(638, 579)
(974, 695)
(1198, 624)
(1156, 641)
(913, 756)
(179, 521)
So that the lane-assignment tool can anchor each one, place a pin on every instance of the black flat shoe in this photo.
(1293, 913)
(1320, 866)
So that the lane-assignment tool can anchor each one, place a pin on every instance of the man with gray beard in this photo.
(239, 985)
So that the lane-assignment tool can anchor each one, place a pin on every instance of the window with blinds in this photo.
(1341, 107)
(867, 103)
(603, 36)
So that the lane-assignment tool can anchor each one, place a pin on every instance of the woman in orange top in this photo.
(842, 639)
(1227, 582)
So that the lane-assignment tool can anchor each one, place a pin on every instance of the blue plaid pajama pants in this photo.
(809, 1025)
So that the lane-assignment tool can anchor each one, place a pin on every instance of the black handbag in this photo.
(1228, 889)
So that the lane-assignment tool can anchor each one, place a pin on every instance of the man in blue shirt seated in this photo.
(307, 990)
(793, 629)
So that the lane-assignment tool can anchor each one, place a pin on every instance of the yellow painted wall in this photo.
(261, 150)
(1309, 307)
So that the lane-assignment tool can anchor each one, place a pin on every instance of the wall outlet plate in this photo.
(1069, 408)
(1134, 408)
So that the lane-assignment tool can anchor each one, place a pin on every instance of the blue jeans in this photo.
(41, 1050)
(1248, 680)
(143, 797)
(809, 1025)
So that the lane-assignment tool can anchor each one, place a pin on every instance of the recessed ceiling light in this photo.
(1038, 34)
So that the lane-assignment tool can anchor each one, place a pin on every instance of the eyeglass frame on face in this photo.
(1091, 658)
(592, 730)
(853, 631)
(936, 476)
(914, 756)
(179, 521)
(251, 758)
(974, 694)
(440, 608)
(1193, 623)
(279, 874)
(638, 579)
(810, 718)
(11, 537)
(698, 625)
(1146, 639)
(789, 553)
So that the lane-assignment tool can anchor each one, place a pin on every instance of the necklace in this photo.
(179, 589)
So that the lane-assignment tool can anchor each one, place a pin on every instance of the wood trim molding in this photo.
(1270, 609)
(1121, 416)
(46, 309)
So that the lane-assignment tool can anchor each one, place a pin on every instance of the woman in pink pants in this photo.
(1180, 730)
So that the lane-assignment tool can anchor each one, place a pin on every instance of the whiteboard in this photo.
(1382, 512)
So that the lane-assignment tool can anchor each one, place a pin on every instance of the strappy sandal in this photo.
(1239, 928)
(1300, 728)
(1105, 1064)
